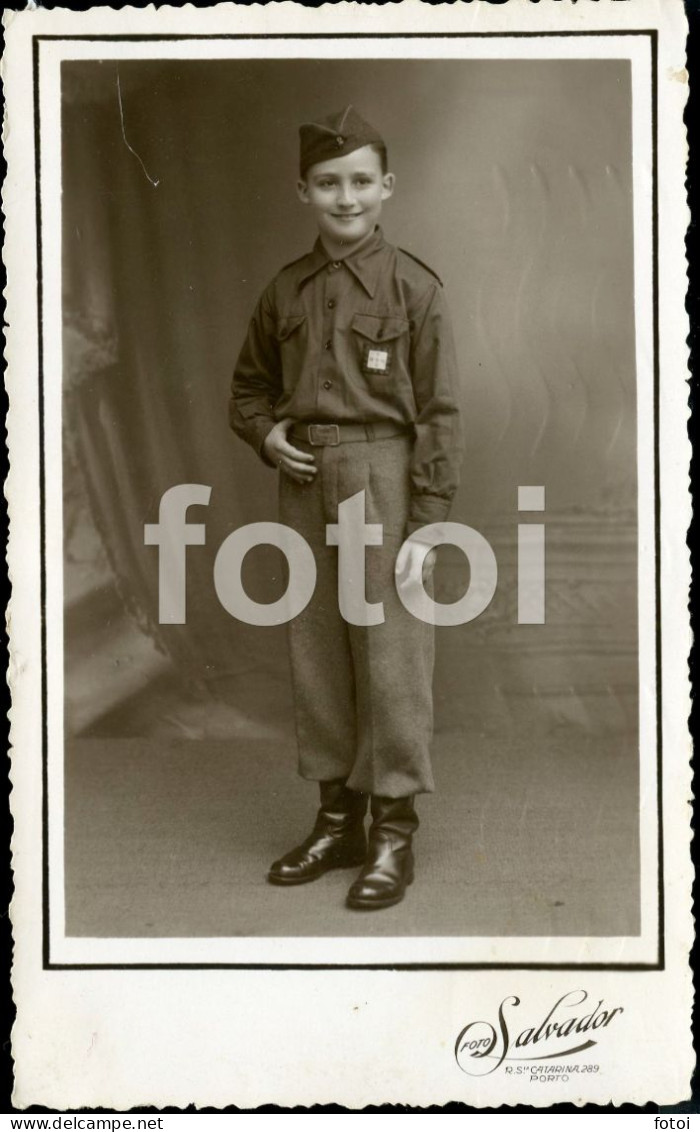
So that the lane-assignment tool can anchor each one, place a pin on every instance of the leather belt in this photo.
(334, 434)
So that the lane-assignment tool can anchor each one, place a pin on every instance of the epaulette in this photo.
(420, 261)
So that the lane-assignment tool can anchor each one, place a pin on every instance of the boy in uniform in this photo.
(347, 384)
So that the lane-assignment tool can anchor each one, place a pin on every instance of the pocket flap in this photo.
(287, 326)
(380, 328)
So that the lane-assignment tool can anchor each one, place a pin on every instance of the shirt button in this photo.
(327, 384)
(331, 304)
(335, 266)
(327, 345)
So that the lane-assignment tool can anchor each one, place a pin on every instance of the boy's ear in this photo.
(303, 192)
(388, 182)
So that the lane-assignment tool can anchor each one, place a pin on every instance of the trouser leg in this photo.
(363, 694)
(393, 674)
(323, 681)
(393, 661)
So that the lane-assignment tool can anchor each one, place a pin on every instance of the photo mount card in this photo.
(170, 666)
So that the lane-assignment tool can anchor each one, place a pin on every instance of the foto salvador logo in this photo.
(482, 1047)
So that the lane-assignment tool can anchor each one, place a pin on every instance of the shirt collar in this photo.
(364, 264)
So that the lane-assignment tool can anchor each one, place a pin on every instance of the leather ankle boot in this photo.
(337, 841)
(389, 865)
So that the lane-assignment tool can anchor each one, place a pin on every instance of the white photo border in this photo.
(643, 952)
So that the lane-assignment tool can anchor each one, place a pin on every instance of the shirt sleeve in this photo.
(257, 380)
(437, 451)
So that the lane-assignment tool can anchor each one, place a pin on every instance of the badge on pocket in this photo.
(376, 360)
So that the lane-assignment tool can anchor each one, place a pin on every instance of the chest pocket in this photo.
(382, 341)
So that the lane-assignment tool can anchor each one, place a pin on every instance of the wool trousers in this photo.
(362, 694)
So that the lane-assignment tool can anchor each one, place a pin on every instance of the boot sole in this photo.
(367, 905)
(291, 881)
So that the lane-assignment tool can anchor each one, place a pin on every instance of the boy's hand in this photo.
(410, 570)
(298, 465)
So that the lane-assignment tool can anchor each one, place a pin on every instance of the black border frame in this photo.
(47, 964)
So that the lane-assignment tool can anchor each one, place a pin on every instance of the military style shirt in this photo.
(358, 340)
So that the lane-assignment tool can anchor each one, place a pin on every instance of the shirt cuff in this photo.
(258, 434)
(427, 509)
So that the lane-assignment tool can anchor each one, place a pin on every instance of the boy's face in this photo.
(346, 194)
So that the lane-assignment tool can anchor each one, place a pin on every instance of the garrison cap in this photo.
(334, 136)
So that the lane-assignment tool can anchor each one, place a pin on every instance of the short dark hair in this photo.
(377, 147)
(381, 152)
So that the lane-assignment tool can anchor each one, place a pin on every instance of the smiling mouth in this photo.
(346, 215)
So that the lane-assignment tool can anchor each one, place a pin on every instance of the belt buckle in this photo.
(320, 434)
